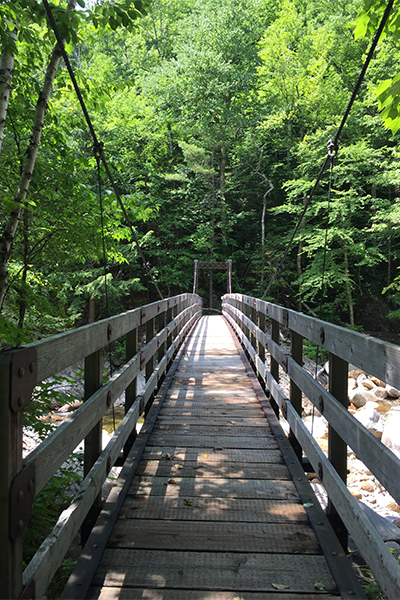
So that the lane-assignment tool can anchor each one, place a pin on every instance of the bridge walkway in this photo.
(212, 512)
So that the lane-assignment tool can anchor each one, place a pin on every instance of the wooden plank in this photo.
(226, 429)
(288, 538)
(199, 419)
(226, 488)
(112, 593)
(240, 411)
(175, 468)
(203, 455)
(214, 441)
(214, 509)
(213, 571)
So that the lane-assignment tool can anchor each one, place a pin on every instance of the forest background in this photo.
(215, 118)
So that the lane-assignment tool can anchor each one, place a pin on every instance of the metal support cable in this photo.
(98, 146)
(333, 144)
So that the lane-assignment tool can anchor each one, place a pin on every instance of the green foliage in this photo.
(388, 91)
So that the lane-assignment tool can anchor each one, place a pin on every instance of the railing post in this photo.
(11, 464)
(93, 441)
(169, 337)
(274, 363)
(260, 345)
(161, 325)
(295, 392)
(150, 364)
(131, 390)
(337, 448)
(253, 317)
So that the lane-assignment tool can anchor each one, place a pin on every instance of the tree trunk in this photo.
(348, 286)
(7, 238)
(6, 76)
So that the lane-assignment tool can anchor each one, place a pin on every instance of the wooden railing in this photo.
(248, 316)
(166, 322)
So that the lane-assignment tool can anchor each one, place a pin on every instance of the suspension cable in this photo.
(334, 143)
(98, 146)
(103, 239)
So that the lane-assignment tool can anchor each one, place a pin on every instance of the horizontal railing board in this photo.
(375, 357)
(60, 351)
(47, 560)
(60, 444)
(375, 552)
(376, 456)
(50, 554)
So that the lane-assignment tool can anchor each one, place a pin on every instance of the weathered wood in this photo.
(61, 351)
(214, 536)
(131, 390)
(191, 469)
(214, 441)
(60, 444)
(209, 570)
(46, 561)
(204, 456)
(227, 488)
(382, 563)
(376, 456)
(93, 441)
(295, 391)
(337, 448)
(111, 593)
(11, 551)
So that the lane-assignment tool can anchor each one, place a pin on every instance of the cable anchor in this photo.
(332, 148)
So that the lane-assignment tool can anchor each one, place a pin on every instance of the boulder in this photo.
(393, 392)
(384, 527)
(367, 383)
(371, 419)
(378, 382)
(355, 373)
(390, 436)
(381, 393)
(360, 396)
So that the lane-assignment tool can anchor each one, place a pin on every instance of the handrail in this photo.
(167, 322)
(247, 317)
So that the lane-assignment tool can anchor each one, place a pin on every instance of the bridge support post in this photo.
(337, 448)
(295, 392)
(11, 423)
(93, 441)
(253, 316)
(169, 338)
(131, 390)
(274, 363)
(150, 332)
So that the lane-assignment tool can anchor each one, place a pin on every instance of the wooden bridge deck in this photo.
(212, 512)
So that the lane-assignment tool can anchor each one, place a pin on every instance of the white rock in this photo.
(391, 431)
(393, 392)
(317, 425)
(381, 393)
(367, 383)
(360, 396)
(371, 419)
